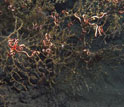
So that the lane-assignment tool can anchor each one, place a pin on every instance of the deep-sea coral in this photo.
(46, 42)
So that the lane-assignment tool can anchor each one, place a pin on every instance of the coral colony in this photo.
(42, 40)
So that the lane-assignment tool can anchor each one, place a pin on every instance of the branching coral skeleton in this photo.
(14, 45)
